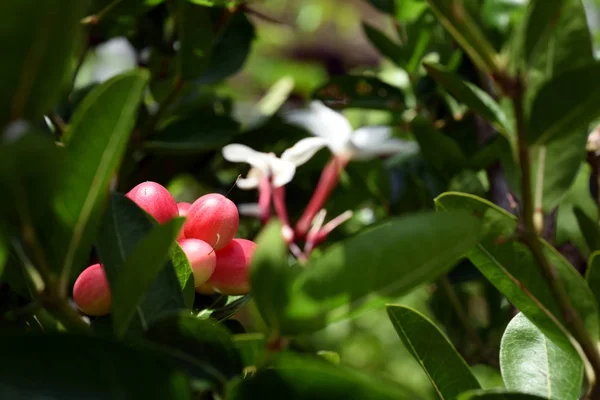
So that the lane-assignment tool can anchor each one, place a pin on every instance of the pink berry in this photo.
(155, 199)
(232, 273)
(212, 218)
(91, 292)
(202, 258)
(182, 208)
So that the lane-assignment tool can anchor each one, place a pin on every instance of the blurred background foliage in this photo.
(269, 49)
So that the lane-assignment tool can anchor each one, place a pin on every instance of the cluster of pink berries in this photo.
(219, 261)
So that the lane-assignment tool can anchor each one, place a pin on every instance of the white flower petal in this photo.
(303, 151)
(240, 153)
(249, 209)
(283, 172)
(370, 135)
(322, 121)
(252, 180)
(378, 145)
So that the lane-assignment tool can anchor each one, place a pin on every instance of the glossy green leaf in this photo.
(37, 72)
(251, 346)
(456, 20)
(531, 363)
(589, 228)
(139, 271)
(98, 135)
(197, 134)
(301, 378)
(205, 341)
(497, 395)
(553, 114)
(509, 266)
(365, 268)
(196, 34)
(446, 369)
(360, 92)
(77, 367)
(385, 45)
(123, 226)
(476, 99)
(592, 274)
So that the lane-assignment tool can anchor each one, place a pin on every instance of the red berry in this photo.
(91, 292)
(212, 218)
(183, 208)
(155, 199)
(232, 274)
(205, 289)
(202, 258)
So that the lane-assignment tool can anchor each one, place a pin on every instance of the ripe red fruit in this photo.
(155, 199)
(202, 258)
(91, 292)
(212, 218)
(232, 273)
(182, 208)
(205, 289)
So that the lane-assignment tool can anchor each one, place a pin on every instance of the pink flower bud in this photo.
(232, 273)
(212, 218)
(202, 258)
(155, 199)
(91, 292)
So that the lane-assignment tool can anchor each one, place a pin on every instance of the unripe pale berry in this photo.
(232, 274)
(202, 258)
(155, 199)
(91, 292)
(212, 218)
(182, 208)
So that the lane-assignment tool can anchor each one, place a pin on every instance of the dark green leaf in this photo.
(360, 92)
(217, 3)
(448, 372)
(508, 264)
(456, 20)
(472, 96)
(39, 39)
(205, 341)
(232, 307)
(531, 363)
(363, 267)
(98, 136)
(301, 378)
(385, 45)
(193, 135)
(592, 274)
(589, 228)
(76, 367)
(554, 114)
(196, 38)
(496, 395)
(387, 6)
(251, 346)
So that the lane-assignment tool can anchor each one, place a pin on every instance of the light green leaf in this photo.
(446, 369)
(509, 266)
(251, 346)
(497, 395)
(531, 363)
(592, 274)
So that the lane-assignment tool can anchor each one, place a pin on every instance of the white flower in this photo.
(335, 132)
(279, 170)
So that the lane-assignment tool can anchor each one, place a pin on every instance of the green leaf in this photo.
(205, 341)
(139, 271)
(360, 92)
(365, 268)
(592, 274)
(37, 72)
(123, 227)
(67, 366)
(531, 363)
(509, 266)
(251, 346)
(554, 114)
(589, 229)
(386, 6)
(446, 369)
(472, 96)
(217, 3)
(456, 20)
(196, 33)
(98, 136)
(496, 395)
(385, 45)
(301, 378)
(193, 135)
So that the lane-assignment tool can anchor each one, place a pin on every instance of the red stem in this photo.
(264, 199)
